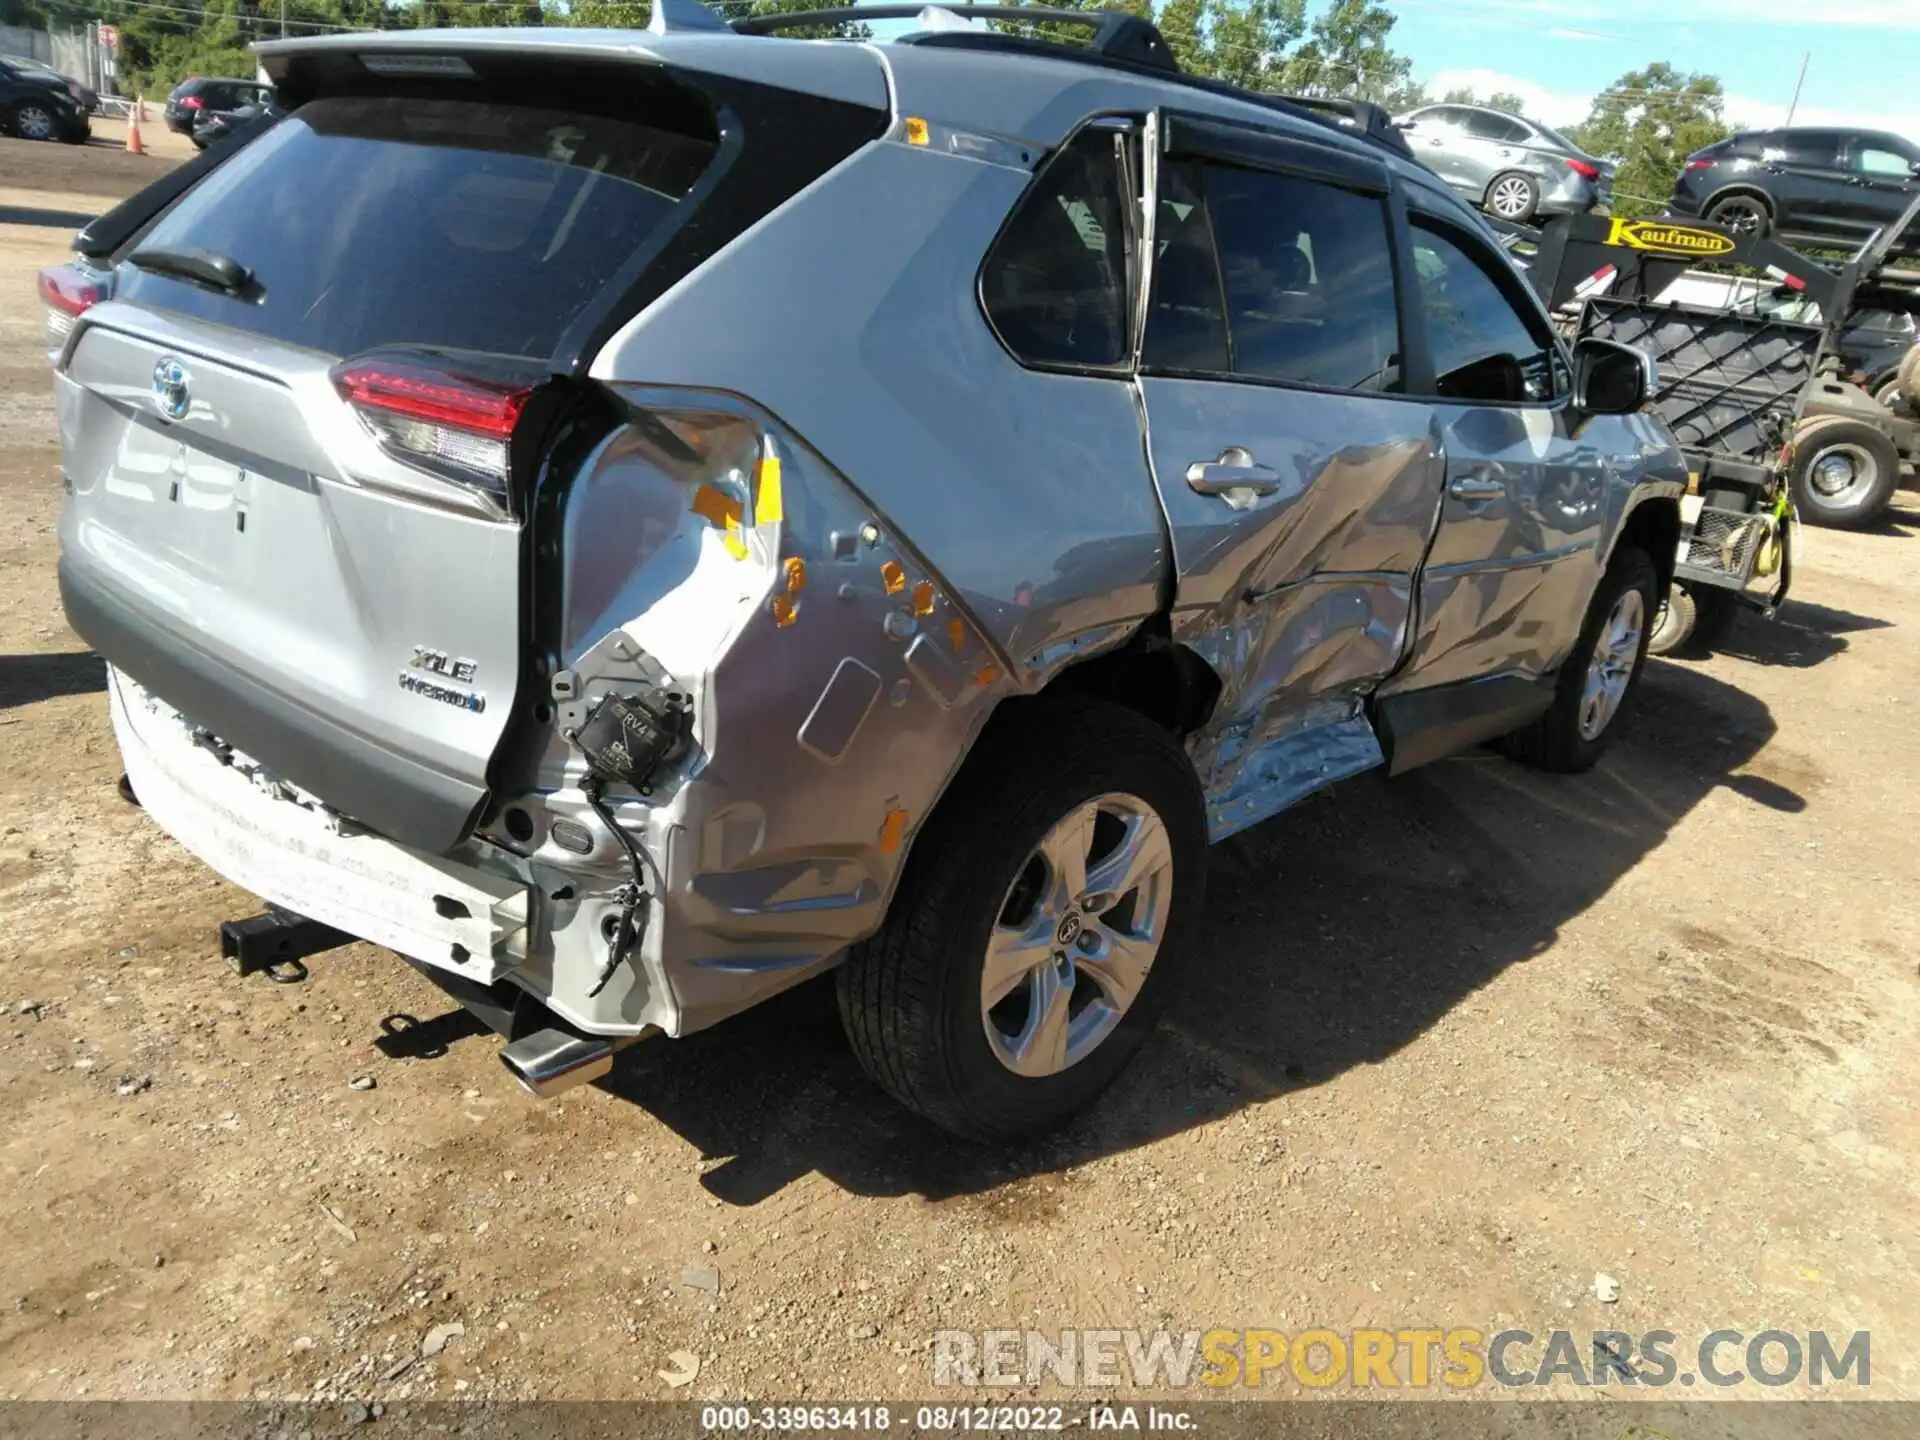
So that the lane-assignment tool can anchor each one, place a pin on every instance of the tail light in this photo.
(69, 292)
(192, 102)
(1584, 170)
(454, 420)
(1698, 164)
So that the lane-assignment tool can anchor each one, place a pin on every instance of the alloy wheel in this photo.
(1077, 934)
(1743, 217)
(1511, 197)
(1610, 671)
(33, 123)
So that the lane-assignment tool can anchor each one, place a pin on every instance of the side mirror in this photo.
(1612, 379)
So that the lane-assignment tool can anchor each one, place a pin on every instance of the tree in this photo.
(1250, 39)
(1648, 122)
(1185, 26)
(1347, 54)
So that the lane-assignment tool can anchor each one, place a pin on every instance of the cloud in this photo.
(1547, 106)
(1569, 32)
(1634, 14)
(1752, 114)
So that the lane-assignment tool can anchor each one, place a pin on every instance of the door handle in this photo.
(1234, 470)
(1475, 487)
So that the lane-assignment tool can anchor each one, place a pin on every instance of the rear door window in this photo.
(369, 221)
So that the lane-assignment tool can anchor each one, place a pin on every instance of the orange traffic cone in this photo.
(134, 145)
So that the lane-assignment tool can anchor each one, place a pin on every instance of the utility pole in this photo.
(1792, 105)
(283, 26)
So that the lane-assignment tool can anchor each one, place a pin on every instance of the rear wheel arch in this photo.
(1150, 675)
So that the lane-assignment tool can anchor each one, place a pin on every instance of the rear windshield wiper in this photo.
(202, 267)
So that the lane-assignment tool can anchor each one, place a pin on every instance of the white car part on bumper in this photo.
(452, 916)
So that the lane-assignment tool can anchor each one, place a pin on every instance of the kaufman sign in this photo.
(1660, 238)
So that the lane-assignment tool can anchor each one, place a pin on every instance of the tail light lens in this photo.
(69, 292)
(192, 102)
(1698, 164)
(1584, 170)
(454, 420)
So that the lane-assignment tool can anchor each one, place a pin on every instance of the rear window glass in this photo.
(446, 223)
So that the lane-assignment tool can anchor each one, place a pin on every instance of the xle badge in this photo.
(428, 662)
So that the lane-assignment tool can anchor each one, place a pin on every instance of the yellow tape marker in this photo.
(769, 504)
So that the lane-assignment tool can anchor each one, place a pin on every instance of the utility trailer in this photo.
(1771, 427)
(1852, 448)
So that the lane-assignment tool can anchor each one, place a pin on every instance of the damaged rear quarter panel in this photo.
(957, 527)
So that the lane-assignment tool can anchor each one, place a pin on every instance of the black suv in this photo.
(198, 99)
(38, 104)
(1823, 186)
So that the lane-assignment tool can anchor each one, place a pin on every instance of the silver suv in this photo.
(1510, 166)
(631, 521)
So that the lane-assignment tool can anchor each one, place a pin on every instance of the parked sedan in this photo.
(88, 98)
(40, 104)
(199, 98)
(1823, 186)
(1509, 166)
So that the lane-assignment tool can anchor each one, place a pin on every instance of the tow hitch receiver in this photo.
(276, 942)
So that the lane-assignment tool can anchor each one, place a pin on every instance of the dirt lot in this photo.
(1451, 1047)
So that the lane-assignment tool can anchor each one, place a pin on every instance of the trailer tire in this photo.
(1844, 473)
(1692, 622)
(1907, 378)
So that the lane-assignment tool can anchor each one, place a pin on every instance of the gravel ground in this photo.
(1452, 1047)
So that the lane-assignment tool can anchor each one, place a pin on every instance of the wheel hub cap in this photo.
(1079, 930)
(1610, 671)
(1839, 470)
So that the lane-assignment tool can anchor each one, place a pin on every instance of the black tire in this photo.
(1554, 741)
(1691, 622)
(1521, 185)
(33, 121)
(910, 997)
(1744, 213)
(1870, 457)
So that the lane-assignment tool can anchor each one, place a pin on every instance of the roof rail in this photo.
(1116, 36)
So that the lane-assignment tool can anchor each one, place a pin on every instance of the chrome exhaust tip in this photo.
(552, 1062)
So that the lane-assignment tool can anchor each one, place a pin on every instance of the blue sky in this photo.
(1865, 67)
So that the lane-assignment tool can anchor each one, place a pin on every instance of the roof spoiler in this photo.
(1116, 36)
